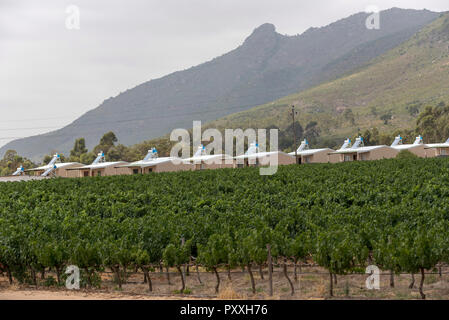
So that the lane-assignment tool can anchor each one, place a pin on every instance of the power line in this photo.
(280, 92)
(124, 121)
(35, 119)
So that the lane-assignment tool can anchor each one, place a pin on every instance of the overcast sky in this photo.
(50, 75)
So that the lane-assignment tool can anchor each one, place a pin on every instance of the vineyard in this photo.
(341, 217)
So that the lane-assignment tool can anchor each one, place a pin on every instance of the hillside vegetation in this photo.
(387, 94)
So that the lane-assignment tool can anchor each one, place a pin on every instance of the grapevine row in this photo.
(343, 217)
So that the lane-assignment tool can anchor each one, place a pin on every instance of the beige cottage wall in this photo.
(128, 170)
(73, 173)
(172, 167)
(320, 157)
(382, 153)
(59, 172)
(283, 159)
(111, 171)
(334, 158)
(214, 164)
(437, 152)
(65, 173)
(221, 165)
(419, 150)
(341, 156)
(443, 151)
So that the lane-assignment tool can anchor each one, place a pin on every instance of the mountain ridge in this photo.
(267, 66)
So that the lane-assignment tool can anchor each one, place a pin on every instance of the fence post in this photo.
(270, 270)
(183, 266)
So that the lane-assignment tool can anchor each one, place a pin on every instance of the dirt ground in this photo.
(312, 283)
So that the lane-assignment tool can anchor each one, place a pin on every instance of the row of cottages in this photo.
(252, 157)
(358, 152)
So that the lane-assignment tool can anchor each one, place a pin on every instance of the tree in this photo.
(48, 158)
(286, 137)
(386, 117)
(433, 123)
(106, 142)
(120, 153)
(11, 161)
(312, 132)
(413, 108)
(87, 158)
(79, 148)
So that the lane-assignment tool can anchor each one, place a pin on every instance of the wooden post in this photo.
(183, 266)
(270, 270)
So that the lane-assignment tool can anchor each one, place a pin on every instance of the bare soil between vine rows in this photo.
(312, 283)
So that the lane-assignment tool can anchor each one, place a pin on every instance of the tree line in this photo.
(432, 123)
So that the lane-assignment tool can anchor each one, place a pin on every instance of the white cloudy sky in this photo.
(50, 75)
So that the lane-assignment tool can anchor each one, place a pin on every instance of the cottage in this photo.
(358, 152)
(437, 149)
(306, 155)
(99, 167)
(418, 147)
(54, 168)
(152, 163)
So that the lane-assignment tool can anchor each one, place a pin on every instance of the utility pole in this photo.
(293, 113)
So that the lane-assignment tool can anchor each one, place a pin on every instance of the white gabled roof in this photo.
(148, 163)
(58, 166)
(407, 146)
(360, 149)
(207, 157)
(99, 165)
(437, 145)
(308, 152)
(260, 155)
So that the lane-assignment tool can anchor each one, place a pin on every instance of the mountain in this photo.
(267, 66)
(398, 84)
